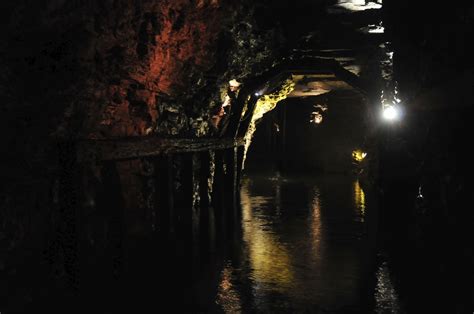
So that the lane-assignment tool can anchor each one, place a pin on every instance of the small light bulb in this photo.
(390, 113)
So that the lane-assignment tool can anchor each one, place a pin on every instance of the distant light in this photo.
(356, 5)
(373, 29)
(234, 83)
(258, 94)
(316, 117)
(376, 29)
(420, 195)
(391, 113)
(323, 107)
(358, 155)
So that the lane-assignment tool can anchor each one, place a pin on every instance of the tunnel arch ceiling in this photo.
(304, 77)
(338, 69)
(312, 75)
(317, 64)
(310, 85)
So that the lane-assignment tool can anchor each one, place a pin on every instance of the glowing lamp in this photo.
(316, 117)
(358, 155)
(234, 85)
(390, 113)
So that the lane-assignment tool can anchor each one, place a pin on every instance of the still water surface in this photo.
(306, 244)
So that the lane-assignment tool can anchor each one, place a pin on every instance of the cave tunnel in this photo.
(319, 133)
(251, 156)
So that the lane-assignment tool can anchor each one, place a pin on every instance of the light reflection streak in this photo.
(278, 199)
(228, 297)
(315, 225)
(293, 258)
(269, 258)
(359, 200)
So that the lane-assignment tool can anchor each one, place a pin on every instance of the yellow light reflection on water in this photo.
(228, 297)
(269, 258)
(359, 199)
(315, 225)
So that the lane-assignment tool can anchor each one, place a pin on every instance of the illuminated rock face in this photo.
(100, 67)
(127, 68)
(114, 68)
(145, 50)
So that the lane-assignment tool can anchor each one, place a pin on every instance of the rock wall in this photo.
(122, 68)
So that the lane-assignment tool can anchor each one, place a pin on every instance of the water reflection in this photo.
(228, 297)
(359, 200)
(315, 224)
(386, 297)
(302, 249)
(269, 258)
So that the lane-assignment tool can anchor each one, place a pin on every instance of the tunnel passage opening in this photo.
(319, 134)
(313, 122)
